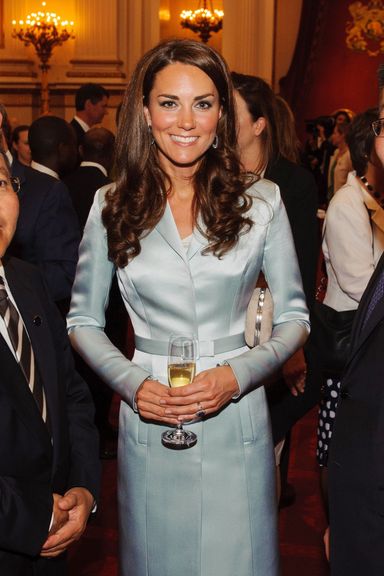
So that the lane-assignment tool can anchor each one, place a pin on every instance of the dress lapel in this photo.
(199, 242)
(168, 230)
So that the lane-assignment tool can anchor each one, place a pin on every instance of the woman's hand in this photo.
(295, 373)
(148, 400)
(209, 391)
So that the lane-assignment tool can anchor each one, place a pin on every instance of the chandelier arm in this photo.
(202, 21)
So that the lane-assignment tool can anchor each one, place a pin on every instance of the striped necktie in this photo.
(22, 348)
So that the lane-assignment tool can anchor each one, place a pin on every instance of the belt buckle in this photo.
(206, 348)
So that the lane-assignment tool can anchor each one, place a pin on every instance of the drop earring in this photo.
(215, 142)
(151, 138)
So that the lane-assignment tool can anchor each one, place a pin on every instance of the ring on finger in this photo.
(200, 412)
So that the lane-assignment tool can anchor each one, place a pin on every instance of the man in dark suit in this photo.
(356, 461)
(49, 468)
(47, 232)
(97, 152)
(91, 101)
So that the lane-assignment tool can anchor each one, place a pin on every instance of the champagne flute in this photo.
(182, 356)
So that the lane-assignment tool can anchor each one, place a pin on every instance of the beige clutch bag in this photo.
(259, 318)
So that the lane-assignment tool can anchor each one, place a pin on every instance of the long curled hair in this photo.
(138, 202)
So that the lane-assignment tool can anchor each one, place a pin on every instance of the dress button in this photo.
(344, 394)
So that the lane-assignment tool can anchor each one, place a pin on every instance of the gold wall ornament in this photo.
(202, 21)
(365, 33)
(44, 31)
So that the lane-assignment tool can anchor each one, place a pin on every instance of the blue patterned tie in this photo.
(376, 297)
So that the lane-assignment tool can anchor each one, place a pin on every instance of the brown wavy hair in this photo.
(137, 204)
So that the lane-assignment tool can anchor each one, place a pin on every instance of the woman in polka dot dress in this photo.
(353, 243)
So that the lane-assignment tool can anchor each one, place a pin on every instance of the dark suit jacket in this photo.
(82, 186)
(78, 131)
(356, 461)
(47, 232)
(18, 169)
(31, 466)
(299, 194)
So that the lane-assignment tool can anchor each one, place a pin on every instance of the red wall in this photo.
(339, 78)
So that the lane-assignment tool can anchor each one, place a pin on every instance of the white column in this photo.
(99, 27)
(248, 36)
(143, 29)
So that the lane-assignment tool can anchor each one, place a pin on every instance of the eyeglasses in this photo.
(15, 183)
(12, 181)
(378, 127)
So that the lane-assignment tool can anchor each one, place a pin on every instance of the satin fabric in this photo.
(210, 509)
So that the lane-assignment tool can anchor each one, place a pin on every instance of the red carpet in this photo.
(301, 525)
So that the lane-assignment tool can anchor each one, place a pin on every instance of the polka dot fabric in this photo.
(327, 413)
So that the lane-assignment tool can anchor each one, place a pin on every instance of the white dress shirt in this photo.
(95, 165)
(83, 124)
(44, 169)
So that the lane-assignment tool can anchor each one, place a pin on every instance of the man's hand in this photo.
(60, 517)
(75, 505)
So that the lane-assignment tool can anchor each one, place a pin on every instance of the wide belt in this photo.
(205, 347)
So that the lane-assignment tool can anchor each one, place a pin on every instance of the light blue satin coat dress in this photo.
(209, 510)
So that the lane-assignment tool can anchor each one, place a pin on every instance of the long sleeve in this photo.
(57, 238)
(86, 319)
(291, 324)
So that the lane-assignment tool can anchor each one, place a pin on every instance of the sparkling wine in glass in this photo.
(182, 356)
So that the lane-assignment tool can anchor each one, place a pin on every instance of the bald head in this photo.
(99, 146)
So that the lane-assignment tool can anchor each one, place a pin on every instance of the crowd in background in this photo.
(332, 189)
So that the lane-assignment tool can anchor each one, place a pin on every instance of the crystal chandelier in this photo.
(202, 21)
(44, 31)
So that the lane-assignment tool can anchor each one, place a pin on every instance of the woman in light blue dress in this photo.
(187, 235)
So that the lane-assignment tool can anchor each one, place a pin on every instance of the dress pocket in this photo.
(142, 432)
(246, 421)
(254, 415)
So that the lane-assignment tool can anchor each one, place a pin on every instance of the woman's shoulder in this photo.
(101, 193)
(265, 189)
(265, 199)
(349, 193)
(347, 203)
(99, 198)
